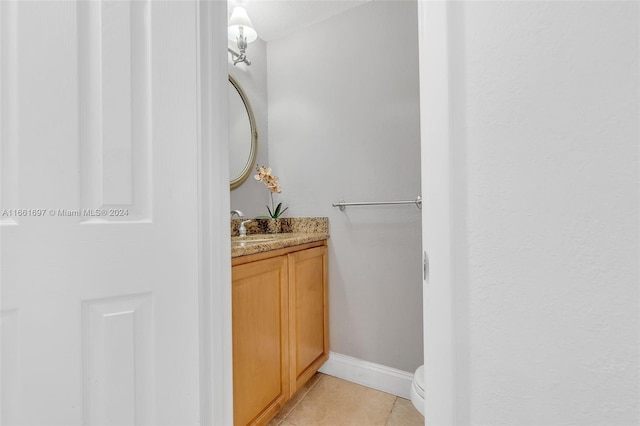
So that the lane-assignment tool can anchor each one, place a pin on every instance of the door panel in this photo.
(8, 108)
(114, 55)
(99, 277)
(117, 347)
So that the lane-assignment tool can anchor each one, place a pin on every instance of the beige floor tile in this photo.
(335, 402)
(405, 414)
(295, 399)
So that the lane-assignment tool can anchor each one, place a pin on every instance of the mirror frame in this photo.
(254, 136)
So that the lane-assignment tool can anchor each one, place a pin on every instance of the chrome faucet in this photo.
(237, 213)
(243, 231)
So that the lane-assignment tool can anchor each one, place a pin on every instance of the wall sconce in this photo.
(241, 31)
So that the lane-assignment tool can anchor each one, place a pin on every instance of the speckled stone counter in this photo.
(295, 231)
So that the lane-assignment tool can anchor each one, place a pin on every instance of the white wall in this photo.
(344, 124)
(545, 157)
(250, 196)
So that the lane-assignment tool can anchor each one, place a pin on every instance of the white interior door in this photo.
(436, 213)
(99, 244)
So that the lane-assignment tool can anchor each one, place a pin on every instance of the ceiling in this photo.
(273, 19)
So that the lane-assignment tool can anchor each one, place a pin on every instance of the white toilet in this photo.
(417, 389)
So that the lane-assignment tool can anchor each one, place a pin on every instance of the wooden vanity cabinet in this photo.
(280, 337)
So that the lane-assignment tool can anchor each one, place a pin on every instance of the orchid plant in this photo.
(264, 175)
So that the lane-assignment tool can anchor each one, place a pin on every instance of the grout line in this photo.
(391, 411)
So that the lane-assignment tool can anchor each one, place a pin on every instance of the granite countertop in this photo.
(294, 231)
(258, 243)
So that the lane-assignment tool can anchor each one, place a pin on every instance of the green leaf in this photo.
(269, 210)
(280, 211)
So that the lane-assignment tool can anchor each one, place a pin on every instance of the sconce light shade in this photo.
(239, 18)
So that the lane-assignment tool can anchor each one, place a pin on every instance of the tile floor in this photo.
(329, 401)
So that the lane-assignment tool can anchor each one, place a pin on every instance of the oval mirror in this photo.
(243, 136)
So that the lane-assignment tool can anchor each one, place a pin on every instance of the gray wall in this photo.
(344, 124)
(250, 196)
(546, 131)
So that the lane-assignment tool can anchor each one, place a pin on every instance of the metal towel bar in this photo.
(342, 205)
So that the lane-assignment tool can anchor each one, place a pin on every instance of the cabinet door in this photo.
(308, 331)
(260, 340)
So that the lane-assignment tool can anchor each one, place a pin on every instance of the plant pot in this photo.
(274, 226)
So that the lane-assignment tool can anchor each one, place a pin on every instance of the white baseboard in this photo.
(376, 376)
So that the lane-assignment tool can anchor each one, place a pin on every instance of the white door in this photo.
(99, 244)
(439, 354)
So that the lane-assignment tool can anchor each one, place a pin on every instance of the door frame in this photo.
(216, 383)
(437, 230)
(214, 251)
